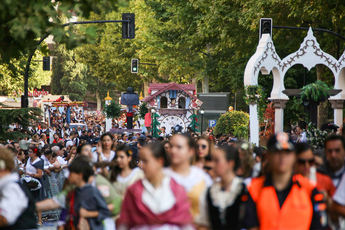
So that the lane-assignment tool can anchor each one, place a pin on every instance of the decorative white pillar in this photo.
(254, 124)
(108, 120)
(279, 106)
(338, 105)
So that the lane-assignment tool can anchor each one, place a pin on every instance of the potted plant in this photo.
(315, 93)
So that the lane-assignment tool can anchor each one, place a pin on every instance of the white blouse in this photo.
(29, 166)
(152, 197)
(103, 158)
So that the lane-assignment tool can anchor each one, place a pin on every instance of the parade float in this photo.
(173, 105)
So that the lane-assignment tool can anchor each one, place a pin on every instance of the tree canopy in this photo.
(23, 22)
(186, 40)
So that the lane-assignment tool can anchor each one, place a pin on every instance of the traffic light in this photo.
(134, 66)
(46, 63)
(128, 28)
(265, 26)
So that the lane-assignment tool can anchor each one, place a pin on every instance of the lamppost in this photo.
(202, 120)
(153, 112)
(108, 121)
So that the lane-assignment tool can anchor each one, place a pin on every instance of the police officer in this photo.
(280, 199)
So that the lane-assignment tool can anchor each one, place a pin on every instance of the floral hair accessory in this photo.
(130, 152)
(245, 146)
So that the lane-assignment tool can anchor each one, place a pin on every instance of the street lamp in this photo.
(153, 111)
(202, 120)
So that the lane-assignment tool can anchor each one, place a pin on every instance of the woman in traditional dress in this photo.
(103, 151)
(156, 202)
(193, 179)
(33, 176)
(221, 204)
(125, 172)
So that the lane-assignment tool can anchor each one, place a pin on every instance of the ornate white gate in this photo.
(309, 55)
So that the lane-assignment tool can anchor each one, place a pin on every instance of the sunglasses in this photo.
(202, 146)
(207, 168)
(304, 161)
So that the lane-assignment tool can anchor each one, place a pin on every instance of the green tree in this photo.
(233, 122)
(113, 110)
(11, 75)
(24, 22)
(69, 76)
(23, 117)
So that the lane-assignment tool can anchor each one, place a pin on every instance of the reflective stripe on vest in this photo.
(297, 211)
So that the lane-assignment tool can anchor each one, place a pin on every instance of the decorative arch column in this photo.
(337, 106)
(279, 106)
(254, 124)
(266, 60)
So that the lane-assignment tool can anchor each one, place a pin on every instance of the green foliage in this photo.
(23, 117)
(241, 132)
(233, 122)
(316, 137)
(113, 110)
(253, 94)
(11, 75)
(295, 112)
(155, 125)
(69, 76)
(194, 124)
(24, 22)
(317, 92)
(143, 110)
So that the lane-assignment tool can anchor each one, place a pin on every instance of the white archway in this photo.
(309, 55)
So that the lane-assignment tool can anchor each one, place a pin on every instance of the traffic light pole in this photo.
(25, 97)
(307, 28)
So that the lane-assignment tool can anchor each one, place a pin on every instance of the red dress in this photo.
(134, 213)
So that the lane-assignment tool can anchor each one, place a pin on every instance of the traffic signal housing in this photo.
(128, 28)
(265, 26)
(46, 63)
(134, 65)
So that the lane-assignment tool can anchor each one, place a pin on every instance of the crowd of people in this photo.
(91, 179)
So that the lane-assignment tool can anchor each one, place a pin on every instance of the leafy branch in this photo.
(113, 110)
(316, 92)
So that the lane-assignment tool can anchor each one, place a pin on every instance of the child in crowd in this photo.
(156, 202)
(220, 207)
(85, 205)
(193, 179)
(125, 172)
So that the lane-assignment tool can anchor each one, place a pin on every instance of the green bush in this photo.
(317, 91)
(233, 122)
(143, 110)
(113, 110)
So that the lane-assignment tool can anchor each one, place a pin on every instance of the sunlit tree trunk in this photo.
(99, 101)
